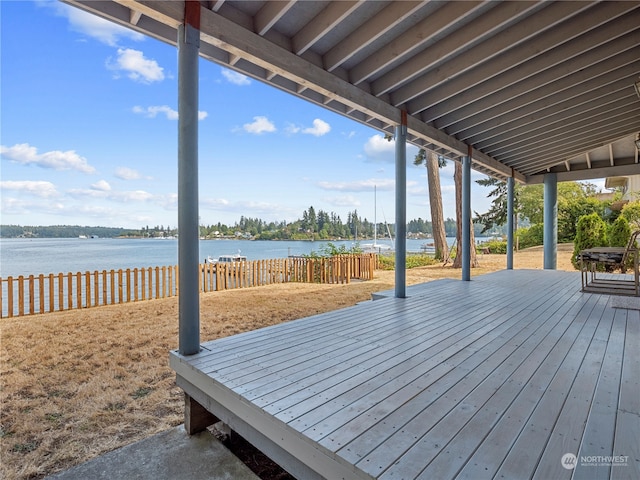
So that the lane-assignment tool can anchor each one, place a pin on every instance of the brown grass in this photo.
(78, 384)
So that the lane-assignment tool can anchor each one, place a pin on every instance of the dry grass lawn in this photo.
(77, 384)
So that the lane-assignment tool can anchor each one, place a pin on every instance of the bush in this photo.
(619, 233)
(388, 262)
(494, 246)
(591, 231)
(532, 236)
(631, 211)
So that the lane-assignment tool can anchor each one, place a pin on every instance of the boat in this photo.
(375, 247)
(226, 258)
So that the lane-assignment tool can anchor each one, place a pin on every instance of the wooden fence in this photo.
(49, 293)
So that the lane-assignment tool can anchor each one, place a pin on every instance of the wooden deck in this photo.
(494, 378)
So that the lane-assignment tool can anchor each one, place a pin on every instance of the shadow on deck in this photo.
(516, 374)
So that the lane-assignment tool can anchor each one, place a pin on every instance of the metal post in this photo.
(550, 233)
(188, 240)
(466, 217)
(510, 200)
(401, 208)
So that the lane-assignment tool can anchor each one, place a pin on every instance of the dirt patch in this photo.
(75, 385)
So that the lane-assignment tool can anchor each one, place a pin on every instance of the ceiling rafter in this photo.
(488, 23)
(502, 117)
(545, 128)
(270, 13)
(385, 20)
(547, 66)
(321, 25)
(413, 39)
(497, 53)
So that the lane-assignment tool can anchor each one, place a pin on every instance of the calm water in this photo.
(21, 256)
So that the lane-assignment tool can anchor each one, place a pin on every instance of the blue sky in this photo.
(89, 136)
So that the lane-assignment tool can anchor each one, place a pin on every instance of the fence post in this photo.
(87, 288)
(104, 287)
(10, 294)
(96, 288)
(120, 286)
(41, 292)
(79, 289)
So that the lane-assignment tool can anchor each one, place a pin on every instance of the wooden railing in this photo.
(28, 295)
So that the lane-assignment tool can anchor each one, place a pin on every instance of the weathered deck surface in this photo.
(494, 378)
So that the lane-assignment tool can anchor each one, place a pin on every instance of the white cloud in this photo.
(359, 185)
(154, 110)
(91, 25)
(292, 129)
(101, 185)
(38, 188)
(378, 149)
(136, 67)
(106, 193)
(25, 154)
(259, 126)
(320, 128)
(235, 77)
(126, 173)
(349, 135)
(343, 201)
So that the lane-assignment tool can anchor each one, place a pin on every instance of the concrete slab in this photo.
(166, 456)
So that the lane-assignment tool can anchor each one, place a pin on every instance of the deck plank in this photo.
(493, 378)
(627, 436)
(477, 411)
(508, 335)
(599, 430)
(559, 374)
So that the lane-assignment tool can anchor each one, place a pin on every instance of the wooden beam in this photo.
(196, 417)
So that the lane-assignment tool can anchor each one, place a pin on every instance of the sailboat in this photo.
(375, 247)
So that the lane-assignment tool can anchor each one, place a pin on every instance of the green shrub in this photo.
(388, 262)
(631, 211)
(619, 233)
(494, 246)
(532, 236)
(591, 231)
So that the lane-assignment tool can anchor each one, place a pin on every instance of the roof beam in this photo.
(559, 151)
(534, 54)
(323, 23)
(567, 59)
(381, 23)
(501, 48)
(560, 129)
(269, 14)
(452, 45)
(413, 39)
(503, 116)
(565, 114)
(586, 174)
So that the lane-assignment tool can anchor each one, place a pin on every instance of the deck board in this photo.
(483, 379)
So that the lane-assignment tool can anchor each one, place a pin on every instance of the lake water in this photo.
(23, 256)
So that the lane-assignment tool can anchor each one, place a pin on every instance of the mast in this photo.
(375, 216)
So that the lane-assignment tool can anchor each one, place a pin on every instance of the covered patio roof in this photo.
(532, 87)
